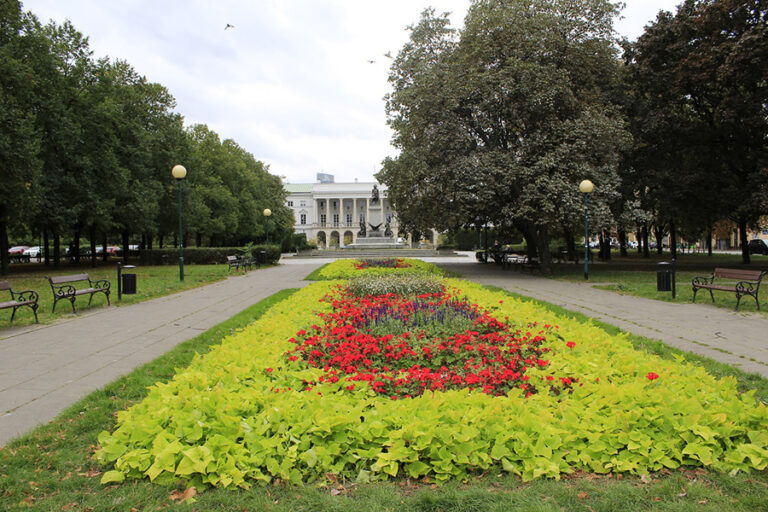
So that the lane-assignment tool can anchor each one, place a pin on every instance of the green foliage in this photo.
(240, 414)
(345, 269)
(207, 255)
(412, 284)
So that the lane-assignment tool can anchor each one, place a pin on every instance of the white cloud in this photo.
(291, 83)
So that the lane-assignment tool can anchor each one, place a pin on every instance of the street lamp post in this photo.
(179, 172)
(267, 213)
(586, 187)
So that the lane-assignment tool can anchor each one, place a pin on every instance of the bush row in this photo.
(207, 255)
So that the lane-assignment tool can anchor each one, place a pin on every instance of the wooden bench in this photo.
(233, 262)
(19, 299)
(63, 288)
(740, 282)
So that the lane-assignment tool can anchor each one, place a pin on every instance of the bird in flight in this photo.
(371, 62)
(229, 26)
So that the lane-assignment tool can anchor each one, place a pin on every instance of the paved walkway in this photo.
(46, 368)
(738, 339)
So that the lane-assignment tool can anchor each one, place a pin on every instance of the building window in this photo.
(290, 204)
(322, 219)
(334, 205)
(303, 218)
(335, 219)
(349, 218)
(302, 203)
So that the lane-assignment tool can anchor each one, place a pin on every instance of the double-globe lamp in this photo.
(179, 172)
(586, 187)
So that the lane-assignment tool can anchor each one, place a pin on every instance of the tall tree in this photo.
(502, 125)
(19, 143)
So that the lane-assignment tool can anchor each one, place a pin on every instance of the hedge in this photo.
(205, 255)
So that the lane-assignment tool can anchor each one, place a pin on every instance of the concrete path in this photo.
(737, 339)
(46, 368)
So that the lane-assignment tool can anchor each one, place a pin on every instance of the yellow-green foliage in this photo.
(222, 421)
(345, 269)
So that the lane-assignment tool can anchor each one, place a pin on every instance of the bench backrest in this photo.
(735, 273)
(69, 279)
(4, 285)
(232, 258)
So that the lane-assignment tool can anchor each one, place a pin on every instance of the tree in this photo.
(20, 140)
(700, 81)
(502, 125)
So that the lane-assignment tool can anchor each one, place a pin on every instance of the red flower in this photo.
(652, 376)
(570, 344)
(269, 370)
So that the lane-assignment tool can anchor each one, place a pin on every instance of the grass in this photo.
(636, 276)
(151, 282)
(51, 468)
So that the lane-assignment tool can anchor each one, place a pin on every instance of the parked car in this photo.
(32, 252)
(16, 253)
(631, 244)
(758, 246)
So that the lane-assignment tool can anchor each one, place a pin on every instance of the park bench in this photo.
(238, 262)
(19, 299)
(63, 288)
(521, 262)
(740, 282)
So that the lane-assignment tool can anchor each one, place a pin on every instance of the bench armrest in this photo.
(63, 290)
(747, 287)
(702, 280)
(101, 283)
(26, 295)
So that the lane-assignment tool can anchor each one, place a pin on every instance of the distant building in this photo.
(331, 213)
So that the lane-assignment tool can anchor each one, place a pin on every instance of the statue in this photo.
(361, 233)
(387, 230)
(376, 227)
(375, 195)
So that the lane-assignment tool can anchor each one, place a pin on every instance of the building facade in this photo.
(332, 214)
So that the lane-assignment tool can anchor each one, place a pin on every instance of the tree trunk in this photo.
(76, 247)
(46, 251)
(92, 236)
(646, 248)
(150, 240)
(104, 255)
(709, 240)
(176, 241)
(673, 239)
(639, 237)
(545, 257)
(623, 243)
(744, 242)
(160, 242)
(199, 239)
(658, 233)
(56, 250)
(126, 242)
(570, 245)
(4, 260)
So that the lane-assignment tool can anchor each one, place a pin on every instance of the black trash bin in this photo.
(664, 278)
(261, 257)
(126, 283)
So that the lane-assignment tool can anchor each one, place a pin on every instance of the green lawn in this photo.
(637, 276)
(152, 281)
(52, 467)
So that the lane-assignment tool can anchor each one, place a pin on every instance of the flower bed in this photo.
(350, 268)
(262, 405)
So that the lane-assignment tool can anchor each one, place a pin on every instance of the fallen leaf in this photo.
(682, 494)
(335, 491)
(583, 495)
(646, 479)
(332, 478)
(91, 473)
(703, 502)
(69, 506)
(176, 495)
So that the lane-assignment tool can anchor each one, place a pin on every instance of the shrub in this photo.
(400, 285)
(204, 255)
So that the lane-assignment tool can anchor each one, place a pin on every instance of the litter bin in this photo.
(665, 277)
(126, 283)
(261, 257)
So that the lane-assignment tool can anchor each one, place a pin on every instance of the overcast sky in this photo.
(291, 82)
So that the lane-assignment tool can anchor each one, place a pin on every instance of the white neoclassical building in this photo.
(333, 214)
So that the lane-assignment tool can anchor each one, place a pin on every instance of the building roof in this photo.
(298, 188)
